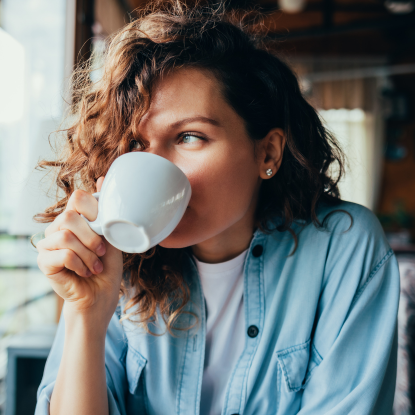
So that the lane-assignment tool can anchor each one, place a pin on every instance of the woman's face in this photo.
(190, 124)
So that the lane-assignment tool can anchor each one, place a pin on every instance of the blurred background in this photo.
(355, 60)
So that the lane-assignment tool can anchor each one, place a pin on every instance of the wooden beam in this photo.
(83, 29)
(348, 8)
(358, 26)
(328, 10)
(134, 4)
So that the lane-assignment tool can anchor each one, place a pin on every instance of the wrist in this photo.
(89, 324)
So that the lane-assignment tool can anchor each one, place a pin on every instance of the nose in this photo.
(170, 156)
(163, 154)
(160, 150)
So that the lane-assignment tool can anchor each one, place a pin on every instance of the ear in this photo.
(272, 149)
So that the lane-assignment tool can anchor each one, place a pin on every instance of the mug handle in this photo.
(95, 225)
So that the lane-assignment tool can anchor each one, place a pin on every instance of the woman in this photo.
(272, 296)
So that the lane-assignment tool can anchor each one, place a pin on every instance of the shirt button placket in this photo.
(257, 251)
(253, 330)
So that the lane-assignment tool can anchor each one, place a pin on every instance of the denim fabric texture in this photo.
(322, 327)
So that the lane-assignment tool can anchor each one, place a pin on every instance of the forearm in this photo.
(80, 386)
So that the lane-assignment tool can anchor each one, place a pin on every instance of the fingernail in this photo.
(101, 249)
(98, 267)
(88, 273)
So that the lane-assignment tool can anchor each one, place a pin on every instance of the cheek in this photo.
(221, 195)
(225, 184)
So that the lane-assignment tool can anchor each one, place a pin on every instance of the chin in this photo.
(182, 236)
(174, 242)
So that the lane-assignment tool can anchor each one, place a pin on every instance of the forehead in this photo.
(185, 92)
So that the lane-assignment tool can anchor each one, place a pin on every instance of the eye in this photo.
(135, 145)
(189, 138)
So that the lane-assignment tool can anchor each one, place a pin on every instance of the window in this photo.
(355, 132)
(32, 41)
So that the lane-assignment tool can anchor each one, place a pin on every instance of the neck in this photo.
(231, 242)
(228, 244)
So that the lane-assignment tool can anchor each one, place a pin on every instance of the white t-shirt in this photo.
(223, 287)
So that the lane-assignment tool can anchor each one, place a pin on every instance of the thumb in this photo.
(99, 183)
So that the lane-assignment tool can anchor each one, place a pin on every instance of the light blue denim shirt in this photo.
(321, 332)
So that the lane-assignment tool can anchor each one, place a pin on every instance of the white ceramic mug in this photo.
(142, 199)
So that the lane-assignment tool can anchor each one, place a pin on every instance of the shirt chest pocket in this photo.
(135, 364)
(297, 364)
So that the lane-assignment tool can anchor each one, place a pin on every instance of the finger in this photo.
(65, 239)
(72, 221)
(83, 203)
(51, 263)
(99, 183)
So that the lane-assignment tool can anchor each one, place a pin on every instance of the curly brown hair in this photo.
(255, 82)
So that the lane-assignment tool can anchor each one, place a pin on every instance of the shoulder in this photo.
(350, 241)
(356, 242)
(340, 221)
(349, 216)
(344, 223)
(351, 224)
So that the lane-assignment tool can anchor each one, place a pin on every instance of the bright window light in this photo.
(11, 79)
(353, 130)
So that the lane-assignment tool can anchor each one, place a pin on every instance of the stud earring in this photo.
(269, 172)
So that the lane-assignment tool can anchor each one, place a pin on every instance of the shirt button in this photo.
(253, 331)
(257, 251)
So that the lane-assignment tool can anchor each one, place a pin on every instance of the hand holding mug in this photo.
(140, 202)
(84, 269)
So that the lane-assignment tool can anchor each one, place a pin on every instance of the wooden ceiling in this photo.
(316, 14)
(331, 27)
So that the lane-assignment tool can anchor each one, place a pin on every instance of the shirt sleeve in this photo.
(356, 334)
(114, 367)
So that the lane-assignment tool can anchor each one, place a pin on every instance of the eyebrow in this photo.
(198, 118)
